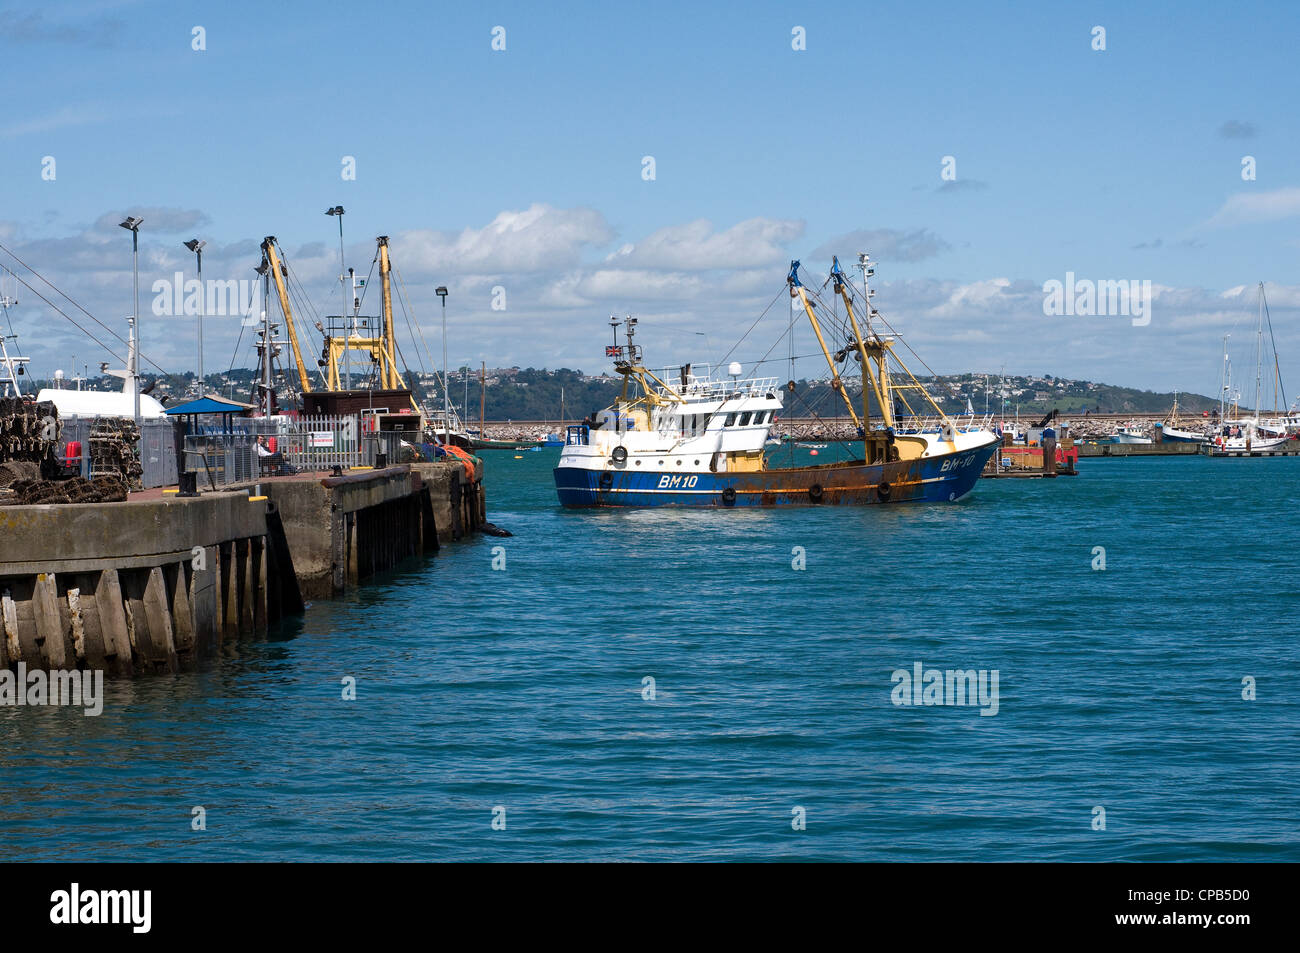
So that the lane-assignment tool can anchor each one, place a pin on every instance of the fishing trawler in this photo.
(687, 437)
(1171, 432)
(1131, 434)
(376, 389)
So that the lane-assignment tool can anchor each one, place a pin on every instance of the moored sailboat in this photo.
(1238, 436)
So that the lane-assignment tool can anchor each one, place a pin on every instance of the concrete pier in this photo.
(136, 586)
(149, 584)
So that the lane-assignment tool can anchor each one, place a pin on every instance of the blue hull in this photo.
(932, 480)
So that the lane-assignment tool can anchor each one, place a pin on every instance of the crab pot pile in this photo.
(29, 434)
(115, 451)
(108, 489)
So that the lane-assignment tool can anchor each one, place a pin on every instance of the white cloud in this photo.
(1249, 208)
(972, 299)
(696, 246)
(697, 289)
(539, 238)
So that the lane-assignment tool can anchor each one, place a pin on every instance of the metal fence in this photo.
(157, 448)
(287, 445)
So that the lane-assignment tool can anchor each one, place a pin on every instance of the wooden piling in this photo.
(257, 575)
(49, 626)
(205, 606)
(76, 625)
(161, 645)
(8, 628)
(179, 608)
(228, 596)
(244, 587)
(112, 618)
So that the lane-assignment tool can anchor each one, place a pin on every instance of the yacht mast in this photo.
(1259, 350)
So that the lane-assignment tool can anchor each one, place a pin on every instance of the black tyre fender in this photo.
(619, 454)
(883, 492)
(606, 480)
(815, 492)
(729, 496)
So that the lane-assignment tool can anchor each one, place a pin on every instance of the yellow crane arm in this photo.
(391, 379)
(836, 383)
(268, 249)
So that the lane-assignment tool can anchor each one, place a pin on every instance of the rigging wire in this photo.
(242, 325)
(442, 382)
(405, 302)
(74, 323)
(139, 354)
(751, 328)
(1277, 368)
(303, 306)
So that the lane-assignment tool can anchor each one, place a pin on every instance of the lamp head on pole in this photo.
(336, 210)
(441, 292)
(195, 246)
(132, 224)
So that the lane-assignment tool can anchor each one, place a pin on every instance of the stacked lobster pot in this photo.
(29, 440)
(115, 451)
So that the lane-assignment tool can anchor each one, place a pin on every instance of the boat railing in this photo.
(577, 435)
(701, 384)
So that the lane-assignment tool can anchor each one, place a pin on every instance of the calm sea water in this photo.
(523, 689)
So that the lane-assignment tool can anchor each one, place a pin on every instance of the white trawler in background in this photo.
(1132, 434)
(103, 403)
(1171, 432)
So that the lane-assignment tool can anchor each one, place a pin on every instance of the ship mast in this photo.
(1259, 350)
(627, 361)
(11, 363)
(797, 290)
(265, 346)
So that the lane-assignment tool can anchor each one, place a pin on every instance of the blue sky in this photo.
(522, 168)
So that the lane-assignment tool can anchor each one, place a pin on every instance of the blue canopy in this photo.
(209, 405)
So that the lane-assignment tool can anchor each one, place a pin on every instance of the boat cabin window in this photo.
(731, 420)
(744, 419)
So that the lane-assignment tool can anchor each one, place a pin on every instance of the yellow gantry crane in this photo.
(278, 271)
(382, 349)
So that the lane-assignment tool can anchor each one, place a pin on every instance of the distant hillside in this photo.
(532, 394)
